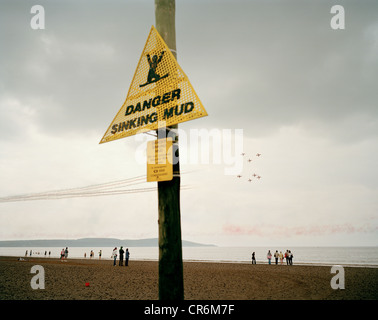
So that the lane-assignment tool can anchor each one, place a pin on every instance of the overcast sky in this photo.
(304, 94)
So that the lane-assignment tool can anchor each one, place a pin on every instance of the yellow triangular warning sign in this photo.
(160, 94)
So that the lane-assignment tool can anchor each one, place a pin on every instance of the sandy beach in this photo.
(202, 281)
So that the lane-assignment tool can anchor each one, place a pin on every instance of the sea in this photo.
(345, 256)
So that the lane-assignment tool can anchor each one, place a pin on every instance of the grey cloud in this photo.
(76, 71)
(256, 65)
(284, 64)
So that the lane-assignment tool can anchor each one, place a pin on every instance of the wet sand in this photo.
(202, 281)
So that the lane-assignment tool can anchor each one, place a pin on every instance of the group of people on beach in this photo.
(91, 254)
(38, 253)
(64, 254)
(121, 253)
(288, 256)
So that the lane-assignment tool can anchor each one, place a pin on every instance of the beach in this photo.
(94, 279)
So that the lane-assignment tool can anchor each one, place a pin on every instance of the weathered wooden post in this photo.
(171, 280)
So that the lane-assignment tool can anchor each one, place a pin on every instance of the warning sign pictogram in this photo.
(160, 94)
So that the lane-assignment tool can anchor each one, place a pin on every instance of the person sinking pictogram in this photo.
(152, 75)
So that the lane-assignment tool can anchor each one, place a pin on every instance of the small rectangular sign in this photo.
(159, 160)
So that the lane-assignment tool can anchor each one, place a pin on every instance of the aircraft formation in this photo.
(255, 176)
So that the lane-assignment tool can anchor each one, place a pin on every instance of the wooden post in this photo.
(171, 280)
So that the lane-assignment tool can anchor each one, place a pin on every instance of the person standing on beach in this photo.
(99, 254)
(114, 255)
(127, 257)
(121, 252)
(287, 257)
(66, 253)
(269, 256)
(253, 258)
(290, 258)
(281, 257)
(276, 255)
